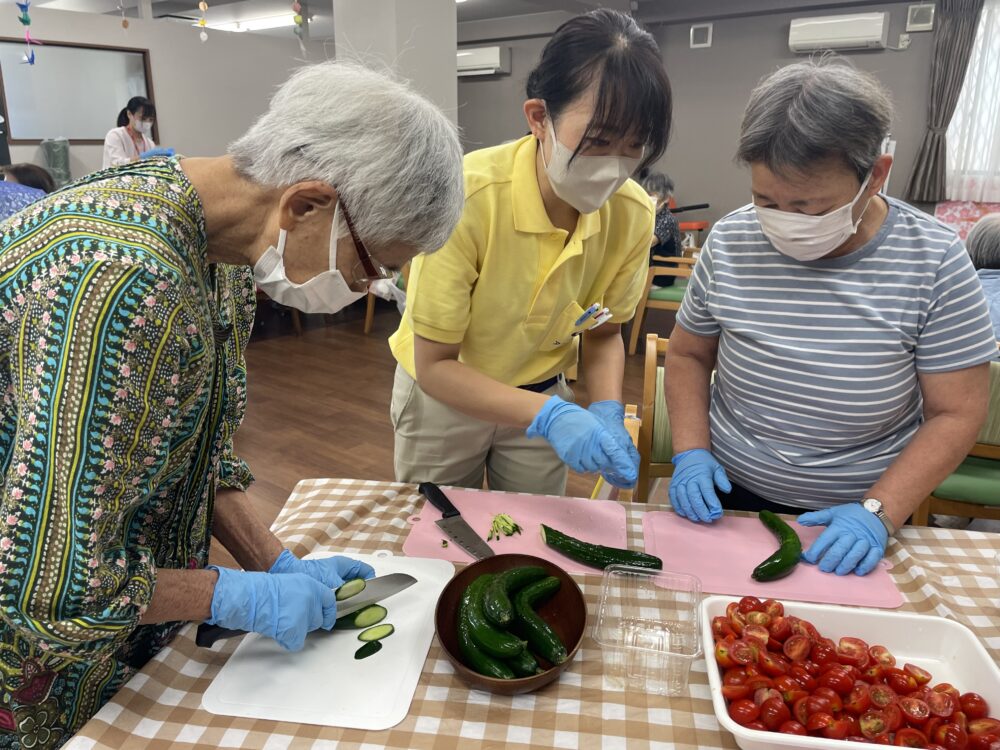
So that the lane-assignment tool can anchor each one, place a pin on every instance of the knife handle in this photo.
(438, 499)
(207, 635)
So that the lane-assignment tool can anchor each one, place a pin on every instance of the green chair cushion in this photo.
(663, 446)
(976, 480)
(673, 293)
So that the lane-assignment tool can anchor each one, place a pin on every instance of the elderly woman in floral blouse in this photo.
(127, 300)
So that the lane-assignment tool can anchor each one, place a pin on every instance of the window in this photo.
(974, 132)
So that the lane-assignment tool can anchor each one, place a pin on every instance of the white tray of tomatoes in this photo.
(822, 676)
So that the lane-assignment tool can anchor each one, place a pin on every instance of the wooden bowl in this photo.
(565, 612)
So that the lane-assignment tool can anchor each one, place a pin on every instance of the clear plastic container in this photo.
(648, 627)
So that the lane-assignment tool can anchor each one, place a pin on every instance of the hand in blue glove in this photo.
(330, 571)
(612, 416)
(282, 607)
(582, 441)
(854, 540)
(157, 151)
(692, 486)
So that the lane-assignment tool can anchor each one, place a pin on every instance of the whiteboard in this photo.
(70, 92)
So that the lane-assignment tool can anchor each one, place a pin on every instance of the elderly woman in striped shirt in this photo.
(848, 331)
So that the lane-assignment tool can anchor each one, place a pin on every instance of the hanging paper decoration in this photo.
(121, 9)
(202, 23)
(300, 26)
(29, 56)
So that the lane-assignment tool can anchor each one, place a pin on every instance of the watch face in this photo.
(873, 505)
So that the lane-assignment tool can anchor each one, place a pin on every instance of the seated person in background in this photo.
(29, 175)
(983, 244)
(14, 197)
(666, 232)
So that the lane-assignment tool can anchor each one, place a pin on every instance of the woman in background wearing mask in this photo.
(847, 330)
(554, 240)
(133, 138)
(131, 306)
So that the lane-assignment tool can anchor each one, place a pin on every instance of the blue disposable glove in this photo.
(282, 607)
(854, 540)
(157, 151)
(330, 571)
(612, 416)
(582, 441)
(692, 486)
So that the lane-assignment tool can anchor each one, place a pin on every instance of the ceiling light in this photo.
(255, 24)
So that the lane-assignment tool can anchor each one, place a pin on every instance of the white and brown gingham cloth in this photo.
(940, 571)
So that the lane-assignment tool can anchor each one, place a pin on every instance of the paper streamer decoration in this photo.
(121, 9)
(202, 22)
(28, 58)
(300, 26)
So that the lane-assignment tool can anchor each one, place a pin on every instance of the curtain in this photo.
(954, 35)
(974, 133)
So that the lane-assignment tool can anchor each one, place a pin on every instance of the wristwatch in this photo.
(875, 506)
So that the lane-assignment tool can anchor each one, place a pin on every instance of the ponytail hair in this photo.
(135, 105)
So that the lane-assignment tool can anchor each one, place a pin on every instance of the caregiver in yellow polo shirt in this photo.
(552, 227)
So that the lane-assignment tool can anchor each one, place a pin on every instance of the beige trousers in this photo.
(435, 443)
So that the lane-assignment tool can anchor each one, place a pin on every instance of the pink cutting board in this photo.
(596, 521)
(724, 553)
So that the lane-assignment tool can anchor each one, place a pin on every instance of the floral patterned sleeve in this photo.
(238, 304)
(96, 392)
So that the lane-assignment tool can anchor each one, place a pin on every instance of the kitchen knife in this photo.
(376, 589)
(453, 524)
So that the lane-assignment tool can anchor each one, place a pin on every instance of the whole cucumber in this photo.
(496, 598)
(492, 640)
(784, 560)
(475, 659)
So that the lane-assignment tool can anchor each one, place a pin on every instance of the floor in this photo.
(319, 405)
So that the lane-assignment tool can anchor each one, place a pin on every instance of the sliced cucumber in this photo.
(350, 588)
(363, 618)
(376, 633)
(369, 649)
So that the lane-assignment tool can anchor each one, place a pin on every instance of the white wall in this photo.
(206, 95)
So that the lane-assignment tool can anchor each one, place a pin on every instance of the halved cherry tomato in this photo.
(743, 711)
(942, 704)
(910, 737)
(872, 724)
(837, 680)
(819, 721)
(806, 628)
(858, 700)
(922, 676)
(931, 726)
(947, 687)
(872, 673)
(758, 618)
(823, 653)
(882, 656)
(735, 692)
(734, 676)
(951, 737)
(838, 730)
(758, 725)
(772, 665)
(773, 607)
(802, 676)
(724, 654)
(780, 628)
(882, 696)
(789, 688)
(756, 633)
(721, 627)
(984, 726)
(774, 713)
(852, 651)
(900, 681)
(961, 719)
(797, 648)
(984, 742)
(974, 705)
(915, 711)
(749, 604)
(792, 727)
(758, 681)
(765, 694)
(893, 716)
(882, 739)
(737, 621)
(741, 653)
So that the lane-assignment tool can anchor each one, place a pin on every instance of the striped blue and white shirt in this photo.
(816, 389)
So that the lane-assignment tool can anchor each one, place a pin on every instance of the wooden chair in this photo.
(973, 489)
(296, 315)
(665, 298)
(654, 443)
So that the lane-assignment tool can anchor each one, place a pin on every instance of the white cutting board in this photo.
(323, 683)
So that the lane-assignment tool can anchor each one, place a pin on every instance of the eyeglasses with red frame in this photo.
(367, 269)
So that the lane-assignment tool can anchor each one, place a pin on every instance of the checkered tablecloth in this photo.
(940, 571)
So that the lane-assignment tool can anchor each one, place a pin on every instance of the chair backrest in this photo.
(654, 432)
(988, 440)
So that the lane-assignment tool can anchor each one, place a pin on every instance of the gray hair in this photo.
(983, 242)
(658, 183)
(815, 110)
(394, 157)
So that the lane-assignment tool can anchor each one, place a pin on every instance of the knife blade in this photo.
(376, 589)
(452, 523)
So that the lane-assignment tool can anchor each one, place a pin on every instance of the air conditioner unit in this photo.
(854, 31)
(484, 61)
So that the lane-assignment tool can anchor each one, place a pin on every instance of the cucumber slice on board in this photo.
(376, 633)
(373, 614)
(369, 649)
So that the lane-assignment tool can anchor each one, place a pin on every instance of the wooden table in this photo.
(940, 571)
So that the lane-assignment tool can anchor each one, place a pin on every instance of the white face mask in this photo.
(589, 181)
(326, 293)
(806, 237)
(143, 126)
